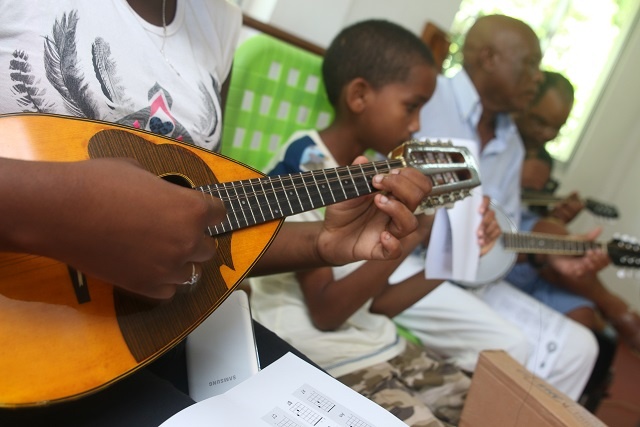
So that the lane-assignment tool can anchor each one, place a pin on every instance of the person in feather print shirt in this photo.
(164, 70)
(70, 97)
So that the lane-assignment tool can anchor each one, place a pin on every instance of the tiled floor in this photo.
(622, 407)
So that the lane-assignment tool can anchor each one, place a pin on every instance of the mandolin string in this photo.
(289, 183)
(248, 189)
(571, 245)
(267, 189)
(266, 185)
(366, 169)
(314, 182)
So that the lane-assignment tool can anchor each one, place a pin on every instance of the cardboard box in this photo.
(504, 393)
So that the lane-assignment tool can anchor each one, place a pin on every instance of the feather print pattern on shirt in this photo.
(30, 97)
(78, 86)
(61, 65)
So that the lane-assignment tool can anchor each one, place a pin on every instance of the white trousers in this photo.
(459, 324)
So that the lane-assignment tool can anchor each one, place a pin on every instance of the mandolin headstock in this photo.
(452, 169)
(624, 252)
(602, 210)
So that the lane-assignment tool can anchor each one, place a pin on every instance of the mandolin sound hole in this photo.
(180, 180)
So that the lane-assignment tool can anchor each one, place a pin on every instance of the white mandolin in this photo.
(497, 263)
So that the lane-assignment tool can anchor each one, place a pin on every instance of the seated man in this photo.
(500, 76)
(583, 298)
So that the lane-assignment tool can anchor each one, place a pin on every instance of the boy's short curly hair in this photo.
(376, 50)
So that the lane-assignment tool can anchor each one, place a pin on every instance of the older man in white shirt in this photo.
(500, 76)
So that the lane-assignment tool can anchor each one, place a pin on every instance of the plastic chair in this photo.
(408, 335)
(275, 89)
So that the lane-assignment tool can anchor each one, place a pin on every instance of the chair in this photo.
(275, 89)
(438, 41)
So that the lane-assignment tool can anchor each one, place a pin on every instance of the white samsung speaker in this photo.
(221, 352)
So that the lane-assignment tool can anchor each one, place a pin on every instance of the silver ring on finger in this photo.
(195, 276)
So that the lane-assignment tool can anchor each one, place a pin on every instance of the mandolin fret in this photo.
(335, 188)
(546, 244)
(259, 200)
(286, 195)
(253, 189)
(320, 191)
(234, 210)
(246, 197)
(324, 186)
(362, 182)
(306, 197)
(275, 197)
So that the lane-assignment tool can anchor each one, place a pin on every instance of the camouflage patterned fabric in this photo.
(416, 386)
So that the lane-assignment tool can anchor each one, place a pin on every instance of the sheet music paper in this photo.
(455, 255)
(288, 393)
(438, 263)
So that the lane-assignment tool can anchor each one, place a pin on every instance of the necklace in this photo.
(164, 27)
(164, 36)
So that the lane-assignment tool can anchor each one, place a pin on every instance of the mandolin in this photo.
(497, 263)
(65, 335)
(599, 209)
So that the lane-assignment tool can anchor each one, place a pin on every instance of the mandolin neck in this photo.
(259, 200)
(540, 243)
(535, 198)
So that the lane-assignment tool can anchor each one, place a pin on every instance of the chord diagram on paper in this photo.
(316, 399)
(277, 417)
(305, 413)
(309, 407)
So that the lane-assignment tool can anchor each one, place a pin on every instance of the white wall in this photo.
(606, 164)
(312, 20)
(413, 14)
(319, 21)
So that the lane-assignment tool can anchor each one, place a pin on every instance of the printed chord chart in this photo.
(316, 399)
(288, 393)
(278, 418)
(309, 407)
(305, 413)
(353, 421)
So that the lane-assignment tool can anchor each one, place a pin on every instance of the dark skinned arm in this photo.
(331, 302)
(363, 228)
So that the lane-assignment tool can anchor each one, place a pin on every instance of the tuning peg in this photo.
(625, 273)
